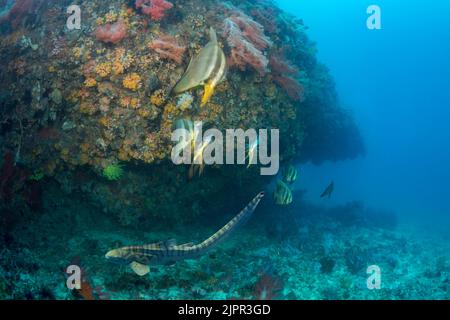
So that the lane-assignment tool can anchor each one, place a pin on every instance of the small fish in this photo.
(252, 153)
(290, 175)
(139, 258)
(185, 124)
(328, 191)
(282, 195)
(188, 126)
(198, 164)
(207, 69)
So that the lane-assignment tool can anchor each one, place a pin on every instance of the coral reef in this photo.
(132, 82)
(76, 103)
(155, 9)
(102, 95)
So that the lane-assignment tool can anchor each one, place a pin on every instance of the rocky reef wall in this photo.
(92, 110)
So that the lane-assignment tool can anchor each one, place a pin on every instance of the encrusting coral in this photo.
(132, 81)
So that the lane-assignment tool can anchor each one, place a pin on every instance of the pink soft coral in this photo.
(279, 65)
(251, 31)
(247, 41)
(292, 88)
(284, 74)
(267, 287)
(111, 32)
(168, 48)
(267, 16)
(155, 9)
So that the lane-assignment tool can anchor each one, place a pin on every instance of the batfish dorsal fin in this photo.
(190, 65)
(139, 268)
(212, 35)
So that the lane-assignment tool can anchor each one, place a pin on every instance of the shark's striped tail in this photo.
(231, 226)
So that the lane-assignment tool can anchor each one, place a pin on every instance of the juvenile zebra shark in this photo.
(140, 258)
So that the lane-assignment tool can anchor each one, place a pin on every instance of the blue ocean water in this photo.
(395, 81)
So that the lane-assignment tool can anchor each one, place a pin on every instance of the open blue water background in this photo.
(396, 82)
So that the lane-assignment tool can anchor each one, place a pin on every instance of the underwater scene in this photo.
(224, 150)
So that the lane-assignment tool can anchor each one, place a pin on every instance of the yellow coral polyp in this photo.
(125, 102)
(144, 113)
(84, 159)
(135, 104)
(90, 82)
(123, 155)
(105, 121)
(103, 69)
(126, 12)
(119, 53)
(100, 50)
(87, 108)
(84, 147)
(111, 17)
(132, 82)
(170, 110)
(77, 52)
(117, 67)
(157, 98)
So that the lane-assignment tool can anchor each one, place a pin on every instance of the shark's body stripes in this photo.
(169, 252)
